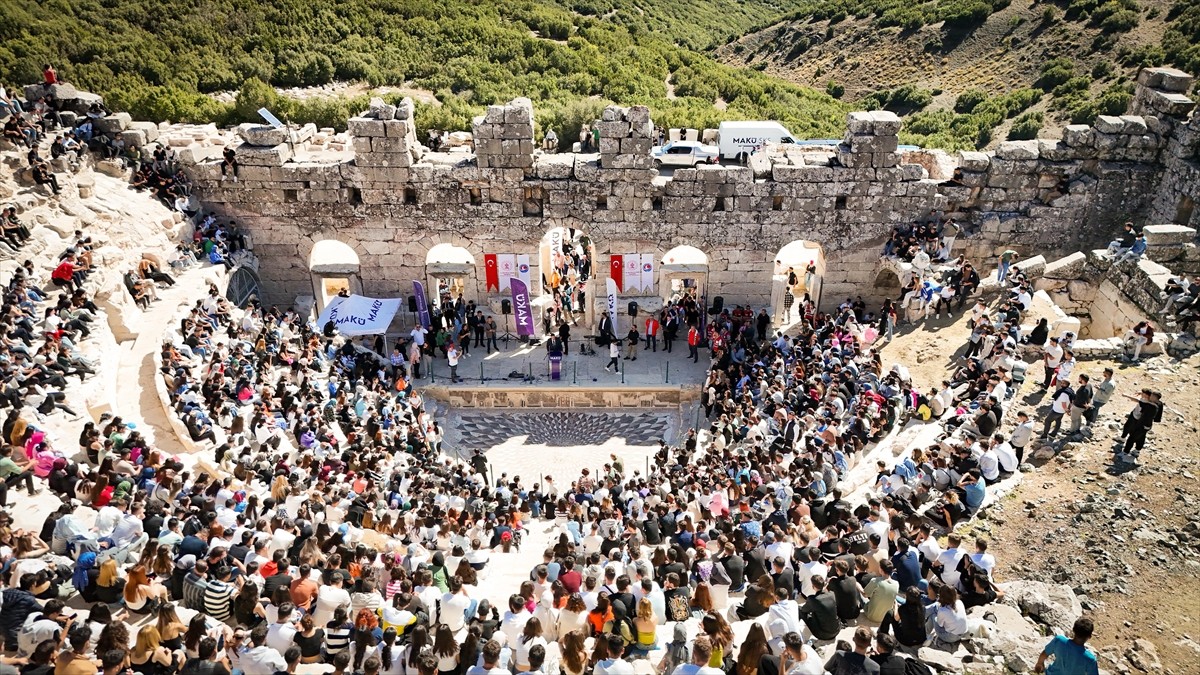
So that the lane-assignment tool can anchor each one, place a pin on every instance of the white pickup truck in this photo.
(684, 153)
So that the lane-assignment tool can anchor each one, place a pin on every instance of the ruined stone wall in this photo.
(392, 201)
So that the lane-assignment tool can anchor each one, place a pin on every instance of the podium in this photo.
(555, 366)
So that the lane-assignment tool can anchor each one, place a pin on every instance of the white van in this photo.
(737, 140)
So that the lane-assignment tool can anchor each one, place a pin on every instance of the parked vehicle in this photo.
(738, 140)
(684, 153)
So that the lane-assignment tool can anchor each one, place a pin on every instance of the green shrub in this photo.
(1122, 21)
(1144, 56)
(903, 99)
(1055, 72)
(1025, 127)
(1102, 70)
(967, 100)
(1049, 15)
(834, 89)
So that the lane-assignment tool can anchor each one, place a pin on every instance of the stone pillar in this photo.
(504, 136)
(386, 135)
(871, 140)
(625, 138)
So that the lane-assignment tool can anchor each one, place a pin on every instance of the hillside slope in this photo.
(855, 48)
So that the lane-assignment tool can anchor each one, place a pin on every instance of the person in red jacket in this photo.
(64, 274)
(652, 327)
(694, 343)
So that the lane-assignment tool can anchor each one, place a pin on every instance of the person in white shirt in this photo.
(1021, 435)
(258, 658)
(701, 653)
(989, 463)
(455, 604)
(1006, 457)
(329, 598)
(946, 564)
(982, 559)
(1051, 356)
(282, 633)
(807, 569)
(950, 618)
(1059, 408)
(927, 544)
(513, 622)
(799, 657)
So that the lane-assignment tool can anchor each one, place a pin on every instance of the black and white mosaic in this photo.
(561, 429)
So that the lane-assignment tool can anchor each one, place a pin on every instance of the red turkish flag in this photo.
(618, 271)
(492, 271)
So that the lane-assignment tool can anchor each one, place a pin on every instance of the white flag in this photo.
(523, 268)
(648, 273)
(633, 273)
(612, 304)
(507, 262)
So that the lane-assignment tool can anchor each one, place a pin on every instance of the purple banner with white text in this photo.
(422, 305)
(522, 310)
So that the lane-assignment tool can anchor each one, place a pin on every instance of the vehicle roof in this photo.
(743, 124)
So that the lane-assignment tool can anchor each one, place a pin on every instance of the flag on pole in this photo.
(491, 271)
(507, 262)
(617, 272)
(633, 273)
(612, 305)
(648, 273)
(523, 269)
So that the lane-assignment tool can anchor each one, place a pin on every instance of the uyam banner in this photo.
(522, 309)
(422, 305)
(612, 305)
(360, 315)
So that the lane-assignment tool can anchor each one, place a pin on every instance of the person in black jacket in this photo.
(907, 621)
(846, 591)
(819, 612)
(18, 604)
(735, 567)
(890, 663)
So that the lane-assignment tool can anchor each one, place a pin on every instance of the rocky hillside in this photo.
(923, 56)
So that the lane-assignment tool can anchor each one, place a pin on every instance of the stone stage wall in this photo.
(392, 201)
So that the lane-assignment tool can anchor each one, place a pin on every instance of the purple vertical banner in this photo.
(422, 305)
(522, 309)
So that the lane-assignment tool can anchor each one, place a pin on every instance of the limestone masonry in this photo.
(391, 200)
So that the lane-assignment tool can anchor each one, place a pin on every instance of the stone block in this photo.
(1070, 267)
(1166, 79)
(860, 122)
(365, 127)
(1109, 124)
(1168, 235)
(1018, 150)
(134, 138)
(150, 129)
(634, 146)
(398, 129)
(261, 135)
(913, 172)
(973, 161)
(380, 110)
(251, 155)
(494, 114)
(1134, 125)
(1054, 151)
(614, 129)
(405, 110)
(1078, 135)
(1171, 103)
(885, 122)
(114, 123)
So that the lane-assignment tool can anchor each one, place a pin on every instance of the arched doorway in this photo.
(684, 270)
(806, 261)
(567, 266)
(450, 272)
(244, 286)
(334, 268)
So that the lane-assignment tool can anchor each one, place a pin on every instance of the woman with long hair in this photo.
(197, 630)
(114, 636)
(573, 616)
(530, 636)
(445, 650)
(417, 640)
(574, 653)
(753, 648)
(248, 609)
(720, 634)
(337, 633)
(701, 602)
(759, 597)
(170, 628)
(143, 596)
(645, 628)
(149, 656)
(109, 584)
(389, 654)
(468, 654)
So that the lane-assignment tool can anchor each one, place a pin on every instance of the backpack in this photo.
(916, 667)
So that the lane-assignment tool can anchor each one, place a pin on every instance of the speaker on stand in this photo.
(412, 309)
(506, 310)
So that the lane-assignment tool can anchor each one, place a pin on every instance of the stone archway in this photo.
(805, 260)
(333, 267)
(449, 273)
(683, 269)
(566, 264)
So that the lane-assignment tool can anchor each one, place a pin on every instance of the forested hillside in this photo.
(968, 72)
(159, 59)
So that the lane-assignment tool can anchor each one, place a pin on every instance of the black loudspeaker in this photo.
(718, 305)
(412, 303)
(633, 307)
(506, 306)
